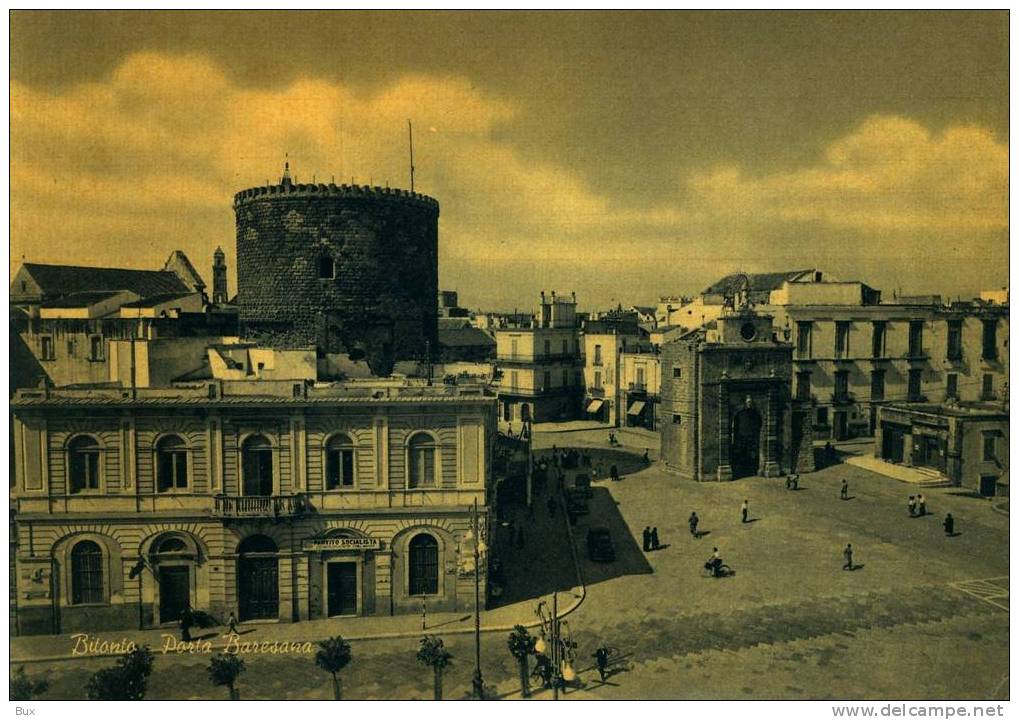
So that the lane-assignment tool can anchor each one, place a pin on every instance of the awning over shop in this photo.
(595, 405)
(636, 408)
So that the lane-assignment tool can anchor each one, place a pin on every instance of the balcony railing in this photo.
(596, 392)
(259, 506)
(538, 358)
(638, 387)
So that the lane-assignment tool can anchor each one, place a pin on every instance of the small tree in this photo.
(521, 644)
(224, 669)
(24, 688)
(333, 656)
(124, 681)
(434, 655)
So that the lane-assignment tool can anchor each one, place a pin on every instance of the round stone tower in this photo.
(347, 268)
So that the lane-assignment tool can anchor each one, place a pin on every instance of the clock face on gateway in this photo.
(747, 331)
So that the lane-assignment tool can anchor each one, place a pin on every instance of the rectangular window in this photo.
(877, 385)
(841, 339)
(47, 349)
(514, 379)
(597, 378)
(842, 385)
(566, 347)
(677, 372)
(676, 419)
(877, 340)
(597, 354)
(96, 347)
(339, 469)
(70, 347)
(803, 386)
(640, 377)
(955, 340)
(916, 338)
(422, 466)
(987, 391)
(566, 378)
(990, 340)
(822, 416)
(172, 470)
(990, 439)
(547, 377)
(513, 348)
(803, 333)
(548, 347)
(915, 378)
(951, 385)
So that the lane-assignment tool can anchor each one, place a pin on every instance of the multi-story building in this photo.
(277, 500)
(541, 365)
(964, 442)
(604, 341)
(854, 352)
(640, 377)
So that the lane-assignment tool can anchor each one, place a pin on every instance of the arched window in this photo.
(421, 461)
(171, 464)
(339, 463)
(326, 267)
(256, 466)
(84, 464)
(86, 573)
(424, 565)
(173, 545)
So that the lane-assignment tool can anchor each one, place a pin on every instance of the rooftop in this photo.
(80, 299)
(61, 280)
(243, 393)
(154, 300)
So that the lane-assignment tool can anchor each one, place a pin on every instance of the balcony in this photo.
(638, 387)
(260, 507)
(596, 392)
(842, 398)
(538, 359)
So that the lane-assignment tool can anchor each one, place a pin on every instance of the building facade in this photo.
(726, 406)
(604, 342)
(966, 443)
(280, 501)
(541, 366)
(640, 371)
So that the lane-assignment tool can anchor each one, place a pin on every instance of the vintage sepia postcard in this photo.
(584, 355)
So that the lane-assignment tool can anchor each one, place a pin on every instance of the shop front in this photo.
(341, 573)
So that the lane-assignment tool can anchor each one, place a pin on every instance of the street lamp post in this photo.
(477, 682)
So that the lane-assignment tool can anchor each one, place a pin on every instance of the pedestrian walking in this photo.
(844, 493)
(614, 473)
(231, 624)
(949, 525)
(187, 621)
(601, 659)
(745, 510)
(912, 506)
(551, 504)
(921, 504)
(693, 524)
(654, 538)
(647, 458)
(848, 555)
(647, 538)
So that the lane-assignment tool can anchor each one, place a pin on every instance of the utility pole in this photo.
(556, 660)
(410, 137)
(478, 683)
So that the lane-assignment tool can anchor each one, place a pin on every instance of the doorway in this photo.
(841, 425)
(988, 485)
(341, 588)
(256, 466)
(892, 443)
(258, 579)
(930, 453)
(746, 443)
(174, 592)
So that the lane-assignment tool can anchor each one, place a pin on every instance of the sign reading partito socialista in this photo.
(342, 543)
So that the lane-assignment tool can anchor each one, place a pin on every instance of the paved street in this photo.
(922, 616)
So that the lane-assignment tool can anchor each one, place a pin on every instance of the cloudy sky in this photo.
(621, 155)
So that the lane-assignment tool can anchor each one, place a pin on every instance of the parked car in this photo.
(583, 483)
(599, 545)
(576, 502)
